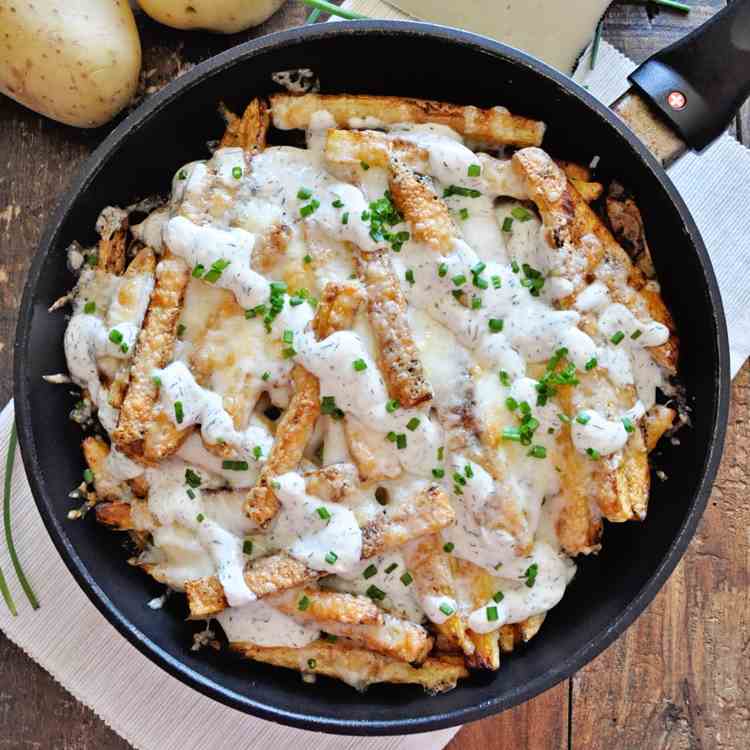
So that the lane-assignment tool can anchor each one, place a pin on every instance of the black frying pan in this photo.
(379, 57)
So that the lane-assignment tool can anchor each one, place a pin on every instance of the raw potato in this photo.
(226, 16)
(76, 61)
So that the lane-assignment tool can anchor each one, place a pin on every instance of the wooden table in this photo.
(680, 676)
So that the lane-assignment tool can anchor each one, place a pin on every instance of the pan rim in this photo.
(98, 159)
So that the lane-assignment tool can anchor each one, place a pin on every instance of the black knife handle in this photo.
(701, 80)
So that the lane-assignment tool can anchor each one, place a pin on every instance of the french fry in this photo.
(111, 249)
(480, 585)
(330, 606)
(337, 307)
(95, 452)
(657, 421)
(249, 131)
(529, 627)
(496, 126)
(365, 447)
(426, 213)
(138, 433)
(352, 147)
(358, 667)
(397, 353)
(332, 483)
(433, 576)
(270, 248)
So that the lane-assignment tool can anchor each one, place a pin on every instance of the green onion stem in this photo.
(682, 7)
(6, 521)
(595, 43)
(314, 16)
(334, 10)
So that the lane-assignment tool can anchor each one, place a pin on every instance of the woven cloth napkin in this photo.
(152, 710)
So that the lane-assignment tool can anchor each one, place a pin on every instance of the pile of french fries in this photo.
(364, 643)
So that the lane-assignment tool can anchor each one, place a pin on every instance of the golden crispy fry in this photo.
(529, 627)
(358, 619)
(426, 213)
(358, 667)
(397, 353)
(433, 576)
(292, 435)
(136, 433)
(337, 308)
(657, 421)
(507, 638)
(115, 514)
(95, 451)
(111, 250)
(481, 587)
(333, 483)
(332, 606)
(248, 132)
(574, 171)
(494, 126)
(270, 248)
(570, 222)
(267, 575)
(144, 263)
(589, 191)
(632, 482)
(352, 147)
(429, 512)
(365, 447)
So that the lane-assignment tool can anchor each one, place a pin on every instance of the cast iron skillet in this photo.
(378, 57)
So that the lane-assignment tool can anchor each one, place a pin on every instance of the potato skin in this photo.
(76, 61)
(225, 16)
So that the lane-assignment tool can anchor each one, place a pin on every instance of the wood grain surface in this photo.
(680, 676)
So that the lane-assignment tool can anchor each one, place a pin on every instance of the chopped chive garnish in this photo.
(497, 282)
(457, 293)
(458, 190)
(412, 424)
(303, 194)
(459, 279)
(182, 174)
(364, 165)
(359, 365)
(375, 593)
(89, 308)
(591, 364)
(537, 451)
(192, 479)
(391, 568)
(474, 170)
(507, 224)
(480, 282)
(476, 303)
(406, 578)
(303, 603)
(478, 268)
(464, 214)
(564, 418)
(324, 513)
(592, 453)
(235, 465)
(309, 208)
(440, 453)
(198, 271)
(369, 571)
(391, 405)
(179, 414)
(491, 613)
(257, 452)
(583, 418)
(200, 518)
(345, 217)
(391, 436)
(365, 216)
(442, 270)
(115, 336)
(124, 348)
(88, 476)
(468, 471)
(311, 663)
(498, 596)
(247, 546)
(307, 259)
(531, 573)
(266, 375)
(617, 338)
(409, 276)
(446, 609)
(181, 328)
(504, 378)
(457, 489)
(636, 334)
(236, 172)
(521, 213)
(328, 406)
(512, 433)
(627, 423)
(438, 473)
(458, 479)
(401, 441)
(288, 336)
(296, 300)
(511, 403)
(495, 325)
(217, 268)
(449, 547)
(190, 494)
(515, 267)
(156, 380)
(338, 203)
(331, 557)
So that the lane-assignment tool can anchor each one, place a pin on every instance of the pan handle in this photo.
(700, 81)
